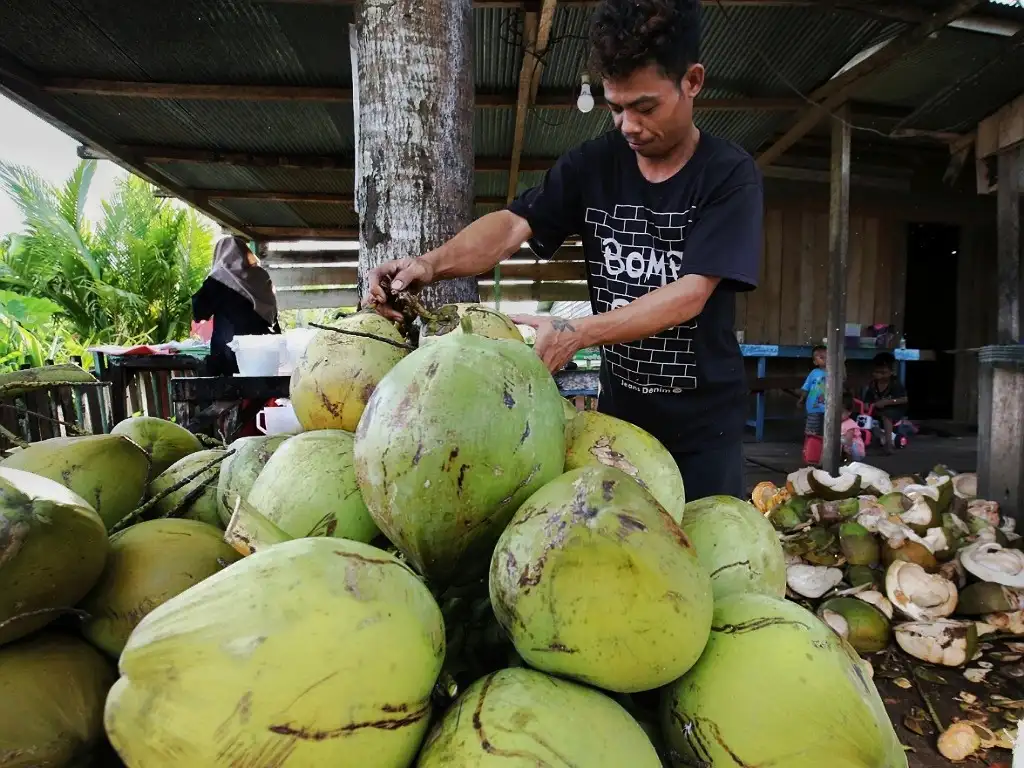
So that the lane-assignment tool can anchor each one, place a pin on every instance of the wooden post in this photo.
(838, 244)
(1008, 253)
(415, 91)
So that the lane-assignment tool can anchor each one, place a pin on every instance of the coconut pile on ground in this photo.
(450, 567)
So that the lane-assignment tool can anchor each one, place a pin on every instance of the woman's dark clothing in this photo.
(233, 315)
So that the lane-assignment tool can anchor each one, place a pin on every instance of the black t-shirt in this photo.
(233, 315)
(685, 385)
(893, 391)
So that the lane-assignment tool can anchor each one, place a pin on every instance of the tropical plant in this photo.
(129, 280)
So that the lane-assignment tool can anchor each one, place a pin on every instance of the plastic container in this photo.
(278, 420)
(257, 355)
(296, 340)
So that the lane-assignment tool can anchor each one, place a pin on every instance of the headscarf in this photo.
(231, 268)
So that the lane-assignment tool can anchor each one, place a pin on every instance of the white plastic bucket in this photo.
(279, 420)
(296, 340)
(257, 355)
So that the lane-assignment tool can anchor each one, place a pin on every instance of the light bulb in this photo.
(585, 102)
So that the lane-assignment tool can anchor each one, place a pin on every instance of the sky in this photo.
(28, 140)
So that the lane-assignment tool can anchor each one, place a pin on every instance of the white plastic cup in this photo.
(279, 420)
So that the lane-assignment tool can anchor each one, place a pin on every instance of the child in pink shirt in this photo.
(852, 438)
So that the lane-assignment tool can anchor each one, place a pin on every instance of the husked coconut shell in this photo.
(995, 563)
(52, 689)
(569, 724)
(594, 581)
(986, 597)
(52, 550)
(149, 563)
(109, 471)
(239, 471)
(873, 480)
(736, 545)
(337, 373)
(940, 641)
(917, 594)
(965, 486)
(596, 438)
(812, 581)
(164, 441)
(858, 622)
(714, 716)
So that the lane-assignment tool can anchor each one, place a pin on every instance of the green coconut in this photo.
(109, 471)
(149, 563)
(239, 471)
(203, 507)
(313, 652)
(859, 575)
(818, 546)
(895, 503)
(817, 483)
(518, 718)
(52, 550)
(308, 488)
(861, 624)
(594, 581)
(596, 438)
(164, 441)
(337, 373)
(52, 689)
(454, 439)
(776, 686)
(570, 414)
(482, 320)
(789, 514)
(910, 552)
(858, 545)
(736, 545)
(987, 597)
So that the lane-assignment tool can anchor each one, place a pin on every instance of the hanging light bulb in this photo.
(585, 103)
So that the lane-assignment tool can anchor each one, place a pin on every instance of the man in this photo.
(670, 220)
(889, 398)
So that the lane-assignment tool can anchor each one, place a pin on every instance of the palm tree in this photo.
(129, 280)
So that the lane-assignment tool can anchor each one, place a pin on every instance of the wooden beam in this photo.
(347, 256)
(288, 196)
(838, 240)
(318, 299)
(837, 90)
(196, 91)
(305, 275)
(531, 50)
(537, 292)
(549, 99)
(1008, 248)
(302, 233)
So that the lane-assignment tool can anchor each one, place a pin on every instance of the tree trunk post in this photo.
(414, 80)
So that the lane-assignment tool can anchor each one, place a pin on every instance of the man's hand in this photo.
(557, 340)
(394, 276)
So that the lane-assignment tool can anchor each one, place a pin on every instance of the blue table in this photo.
(762, 352)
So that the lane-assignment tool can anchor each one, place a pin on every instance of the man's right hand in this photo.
(393, 276)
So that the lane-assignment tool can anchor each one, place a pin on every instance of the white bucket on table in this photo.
(296, 340)
(257, 355)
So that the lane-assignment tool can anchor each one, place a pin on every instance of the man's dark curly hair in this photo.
(627, 35)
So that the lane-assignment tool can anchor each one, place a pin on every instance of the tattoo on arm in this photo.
(561, 324)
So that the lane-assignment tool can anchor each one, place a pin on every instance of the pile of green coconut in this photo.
(449, 566)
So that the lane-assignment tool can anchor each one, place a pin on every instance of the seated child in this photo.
(888, 397)
(812, 394)
(851, 437)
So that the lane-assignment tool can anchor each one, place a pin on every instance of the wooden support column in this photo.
(415, 90)
(838, 246)
(1008, 254)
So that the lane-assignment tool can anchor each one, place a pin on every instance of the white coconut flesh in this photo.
(800, 482)
(943, 641)
(812, 581)
(921, 512)
(917, 594)
(877, 599)
(896, 534)
(930, 491)
(838, 623)
(986, 510)
(1009, 526)
(843, 484)
(1011, 622)
(966, 486)
(936, 540)
(990, 561)
(871, 478)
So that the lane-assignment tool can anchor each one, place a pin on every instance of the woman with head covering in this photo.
(239, 295)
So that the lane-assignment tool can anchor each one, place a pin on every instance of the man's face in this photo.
(882, 374)
(654, 112)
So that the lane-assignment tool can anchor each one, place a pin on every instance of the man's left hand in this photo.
(557, 340)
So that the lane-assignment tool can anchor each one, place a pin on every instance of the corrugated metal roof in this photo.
(748, 51)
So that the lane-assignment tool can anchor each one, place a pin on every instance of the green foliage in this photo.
(129, 280)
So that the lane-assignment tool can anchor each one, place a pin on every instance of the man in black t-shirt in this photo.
(670, 220)
(889, 397)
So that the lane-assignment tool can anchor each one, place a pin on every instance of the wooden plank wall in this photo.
(789, 307)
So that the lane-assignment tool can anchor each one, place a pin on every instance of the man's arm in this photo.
(666, 307)
(479, 247)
